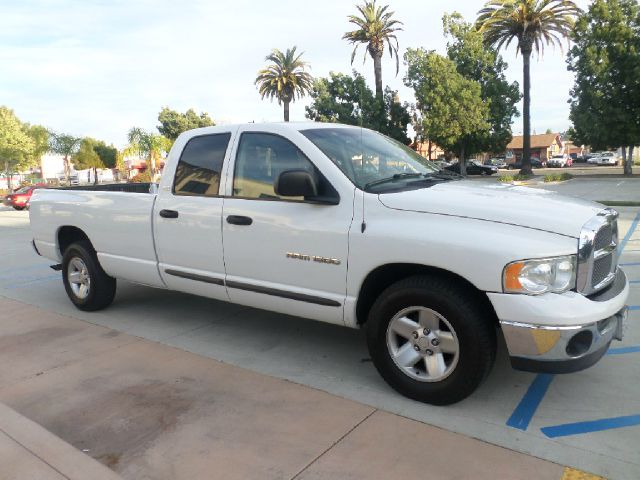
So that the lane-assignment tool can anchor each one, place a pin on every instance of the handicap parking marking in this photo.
(526, 409)
(590, 426)
(623, 350)
(630, 232)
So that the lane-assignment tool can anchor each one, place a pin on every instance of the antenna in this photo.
(363, 225)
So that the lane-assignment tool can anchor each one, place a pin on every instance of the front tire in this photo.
(430, 339)
(88, 286)
(18, 208)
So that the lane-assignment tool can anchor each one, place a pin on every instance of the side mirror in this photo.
(296, 183)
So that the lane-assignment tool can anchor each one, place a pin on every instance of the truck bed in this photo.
(116, 217)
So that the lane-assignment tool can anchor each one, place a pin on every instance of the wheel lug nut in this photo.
(416, 348)
(415, 334)
(426, 331)
(435, 342)
(429, 352)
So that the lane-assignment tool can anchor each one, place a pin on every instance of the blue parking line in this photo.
(590, 426)
(634, 281)
(621, 350)
(632, 229)
(526, 409)
(634, 307)
(632, 264)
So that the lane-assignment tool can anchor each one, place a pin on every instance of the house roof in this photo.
(537, 141)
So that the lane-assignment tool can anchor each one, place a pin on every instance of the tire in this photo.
(94, 289)
(18, 208)
(463, 327)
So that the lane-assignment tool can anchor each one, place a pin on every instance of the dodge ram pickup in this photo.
(343, 225)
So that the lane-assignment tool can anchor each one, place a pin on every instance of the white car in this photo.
(560, 160)
(346, 226)
(608, 159)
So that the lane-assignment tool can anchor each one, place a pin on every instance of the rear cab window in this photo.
(200, 165)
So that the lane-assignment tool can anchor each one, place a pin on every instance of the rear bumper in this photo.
(562, 333)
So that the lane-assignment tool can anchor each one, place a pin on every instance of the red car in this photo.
(20, 198)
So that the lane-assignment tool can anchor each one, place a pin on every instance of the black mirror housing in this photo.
(296, 183)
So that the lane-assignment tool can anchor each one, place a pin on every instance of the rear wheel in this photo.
(86, 283)
(431, 340)
(18, 208)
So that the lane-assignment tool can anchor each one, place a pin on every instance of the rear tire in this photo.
(18, 208)
(443, 327)
(88, 286)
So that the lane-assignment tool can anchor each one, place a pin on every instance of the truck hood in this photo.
(526, 207)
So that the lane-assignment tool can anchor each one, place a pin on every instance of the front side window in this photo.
(199, 167)
(261, 158)
(368, 157)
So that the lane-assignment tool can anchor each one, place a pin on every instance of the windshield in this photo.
(366, 156)
(23, 190)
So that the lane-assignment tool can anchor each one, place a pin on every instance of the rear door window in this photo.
(200, 165)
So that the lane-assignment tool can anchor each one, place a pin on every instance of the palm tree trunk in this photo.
(628, 161)
(526, 112)
(6, 169)
(377, 70)
(95, 175)
(67, 169)
(286, 110)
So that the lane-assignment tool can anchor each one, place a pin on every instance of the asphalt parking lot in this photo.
(589, 420)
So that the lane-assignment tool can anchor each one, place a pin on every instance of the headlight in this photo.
(534, 277)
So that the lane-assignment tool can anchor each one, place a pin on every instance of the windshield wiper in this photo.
(444, 174)
(397, 176)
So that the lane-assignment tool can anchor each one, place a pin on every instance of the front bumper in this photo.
(566, 347)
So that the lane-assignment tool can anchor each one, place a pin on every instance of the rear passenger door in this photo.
(188, 215)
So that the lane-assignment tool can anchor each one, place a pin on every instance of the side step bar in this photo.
(57, 267)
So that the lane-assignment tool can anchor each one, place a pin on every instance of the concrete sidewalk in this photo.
(147, 410)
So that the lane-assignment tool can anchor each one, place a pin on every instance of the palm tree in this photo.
(285, 78)
(148, 146)
(375, 28)
(65, 145)
(532, 23)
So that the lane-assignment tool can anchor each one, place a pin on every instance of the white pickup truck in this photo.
(344, 225)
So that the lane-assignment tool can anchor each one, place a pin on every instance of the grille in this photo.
(603, 238)
(597, 258)
(601, 268)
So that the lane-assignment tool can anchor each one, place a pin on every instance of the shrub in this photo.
(514, 178)
(557, 177)
(143, 177)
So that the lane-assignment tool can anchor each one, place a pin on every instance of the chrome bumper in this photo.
(561, 349)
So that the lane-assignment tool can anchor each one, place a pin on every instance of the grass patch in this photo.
(618, 203)
(514, 178)
(557, 177)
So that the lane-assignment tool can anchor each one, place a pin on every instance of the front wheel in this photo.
(18, 208)
(431, 339)
(88, 286)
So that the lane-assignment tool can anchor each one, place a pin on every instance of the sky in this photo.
(98, 67)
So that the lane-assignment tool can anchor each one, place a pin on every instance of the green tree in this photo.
(86, 157)
(285, 78)
(173, 123)
(347, 99)
(375, 27)
(40, 136)
(450, 105)
(16, 146)
(65, 145)
(149, 146)
(107, 153)
(532, 24)
(605, 99)
(475, 61)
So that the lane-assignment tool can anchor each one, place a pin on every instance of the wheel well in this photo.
(68, 235)
(384, 276)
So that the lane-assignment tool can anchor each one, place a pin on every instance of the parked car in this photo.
(517, 165)
(496, 162)
(473, 168)
(20, 198)
(560, 160)
(582, 158)
(429, 264)
(608, 158)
